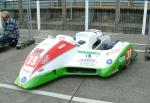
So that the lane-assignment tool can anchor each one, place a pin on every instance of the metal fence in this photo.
(124, 16)
(13, 7)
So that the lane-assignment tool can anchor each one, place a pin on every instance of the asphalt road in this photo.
(131, 85)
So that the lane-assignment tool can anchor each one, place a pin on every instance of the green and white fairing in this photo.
(89, 53)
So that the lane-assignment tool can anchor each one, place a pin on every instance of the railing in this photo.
(7, 4)
(57, 4)
(102, 15)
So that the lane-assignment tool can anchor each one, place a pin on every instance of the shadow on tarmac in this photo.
(4, 49)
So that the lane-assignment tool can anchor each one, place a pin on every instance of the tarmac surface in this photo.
(131, 85)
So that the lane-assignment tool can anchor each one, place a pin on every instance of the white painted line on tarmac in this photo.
(85, 100)
(140, 44)
(52, 94)
(141, 51)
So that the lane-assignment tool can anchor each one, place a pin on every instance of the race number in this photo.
(128, 54)
(32, 60)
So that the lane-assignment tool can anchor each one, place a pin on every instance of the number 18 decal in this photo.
(128, 54)
(32, 60)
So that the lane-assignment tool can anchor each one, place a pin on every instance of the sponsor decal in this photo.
(86, 52)
(45, 60)
(109, 61)
(90, 53)
(121, 59)
(128, 54)
(26, 70)
(61, 46)
(88, 60)
(23, 79)
(38, 51)
(41, 70)
(88, 56)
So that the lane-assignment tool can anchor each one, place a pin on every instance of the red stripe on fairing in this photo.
(53, 53)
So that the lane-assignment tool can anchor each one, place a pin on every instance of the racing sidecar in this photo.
(88, 53)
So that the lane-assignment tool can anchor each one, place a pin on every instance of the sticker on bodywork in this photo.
(23, 80)
(109, 61)
(128, 54)
(87, 58)
(121, 59)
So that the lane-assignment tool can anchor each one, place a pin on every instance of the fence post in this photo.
(0, 21)
(144, 17)
(21, 18)
(149, 33)
(64, 12)
(117, 14)
(71, 9)
(147, 49)
(86, 14)
(30, 39)
(29, 20)
(38, 15)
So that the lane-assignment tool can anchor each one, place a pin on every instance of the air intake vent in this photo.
(80, 70)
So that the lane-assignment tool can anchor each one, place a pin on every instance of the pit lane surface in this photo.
(132, 85)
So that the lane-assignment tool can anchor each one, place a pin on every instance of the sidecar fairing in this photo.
(89, 53)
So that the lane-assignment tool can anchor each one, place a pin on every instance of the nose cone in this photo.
(34, 82)
(28, 83)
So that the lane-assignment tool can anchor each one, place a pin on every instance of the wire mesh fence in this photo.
(123, 16)
(128, 19)
(13, 8)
